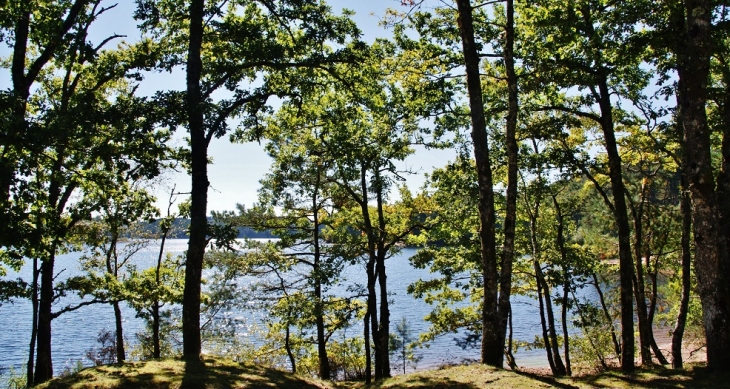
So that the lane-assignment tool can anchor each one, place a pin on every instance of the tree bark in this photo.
(368, 360)
(121, 355)
(510, 217)
(199, 193)
(626, 273)
(44, 363)
(638, 281)
(382, 280)
(678, 332)
(560, 240)
(711, 255)
(34, 323)
(492, 350)
(324, 364)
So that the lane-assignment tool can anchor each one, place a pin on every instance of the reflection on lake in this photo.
(74, 333)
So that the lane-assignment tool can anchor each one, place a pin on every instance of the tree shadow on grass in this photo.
(546, 380)
(658, 378)
(207, 374)
(427, 382)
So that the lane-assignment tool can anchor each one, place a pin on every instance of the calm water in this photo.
(74, 333)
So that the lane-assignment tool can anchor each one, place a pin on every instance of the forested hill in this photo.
(181, 225)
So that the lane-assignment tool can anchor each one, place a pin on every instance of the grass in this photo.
(212, 373)
(218, 373)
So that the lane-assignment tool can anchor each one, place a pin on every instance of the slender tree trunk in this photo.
(564, 319)
(121, 355)
(678, 333)
(639, 287)
(373, 315)
(510, 357)
(560, 239)
(287, 346)
(199, 196)
(510, 217)
(44, 363)
(384, 327)
(492, 351)
(711, 249)
(324, 364)
(382, 281)
(34, 323)
(156, 330)
(559, 369)
(543, 321)
(156, 304)
(112, 267)
(626, 273)
(559, 366)
(534, 212)
(368, 360)
(609, 320)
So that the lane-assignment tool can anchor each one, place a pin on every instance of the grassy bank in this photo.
(220, 374)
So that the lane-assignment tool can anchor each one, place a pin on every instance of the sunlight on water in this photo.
(76, 332)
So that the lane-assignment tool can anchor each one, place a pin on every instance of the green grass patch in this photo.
(211, 373)
(215, 373)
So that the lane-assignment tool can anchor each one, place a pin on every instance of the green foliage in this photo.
(170, 341)
(14, 379)
(143, 289)
(403, 345)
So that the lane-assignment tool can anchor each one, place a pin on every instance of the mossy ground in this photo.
(216, 373)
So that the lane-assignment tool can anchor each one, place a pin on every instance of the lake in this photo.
(74, 333)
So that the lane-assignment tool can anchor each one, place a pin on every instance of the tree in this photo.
(124, 208)
(480, 29)
(403, 343)
(351, 136)
(98, 136)
(492, 333)
(232, 46)
(692, 22)
(47, 37)
(299, 182)
(584, 54)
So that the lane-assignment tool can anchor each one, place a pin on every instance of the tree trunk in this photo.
(510, 217)
(543, 321)
(639, 287)
(384, 327)
(121, 355)
(492, 351)
(382, 280)
(373, 315)
(368, 360)
(626, 273)
(564, 319)
(199, 193)
(324, 364)
(156, 330)
(678, 332)
(43, 363)
(34, 323)
(711, 255)
(287, 346)
(606, 315)
(560, 240)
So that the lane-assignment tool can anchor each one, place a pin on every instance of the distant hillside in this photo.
(181, 225)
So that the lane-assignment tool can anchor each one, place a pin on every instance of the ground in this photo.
(215, 373)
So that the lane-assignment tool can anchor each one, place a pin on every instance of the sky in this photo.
(237, 168)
